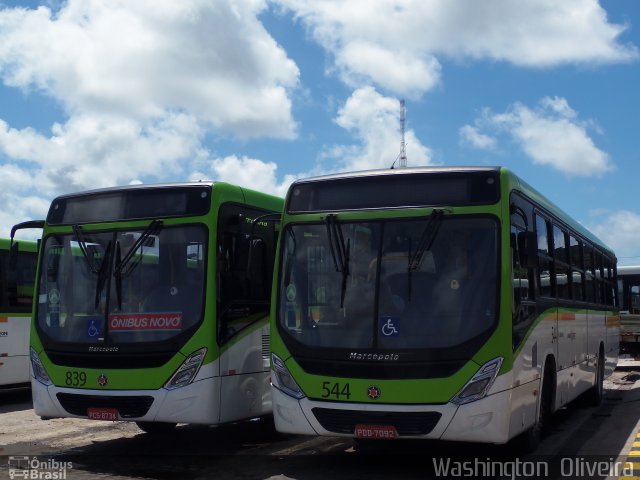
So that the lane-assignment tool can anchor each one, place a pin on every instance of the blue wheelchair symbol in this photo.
(390, 326)
(93, 330)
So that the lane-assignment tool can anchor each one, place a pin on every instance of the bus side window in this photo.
(244, 255)
(561, 264)
(600, 285)
(577, 272)
(522, 281)
(634, 299)
(18, 282)
(589, 271)
(546, 281)
(4, 264)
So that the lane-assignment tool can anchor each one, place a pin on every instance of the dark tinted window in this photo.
(130, 204)
(545, 280)
(395, 190)
(245, 257)
(16, 286)
(561, 265)
(577, 273)
(589, 272)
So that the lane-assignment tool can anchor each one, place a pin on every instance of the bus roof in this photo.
(513, 181)
(140, 186)
(394, 171)
(628, 270)
(143, 201)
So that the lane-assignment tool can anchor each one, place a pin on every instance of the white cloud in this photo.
(140, 84)
(98, 151)
(619, 230)
(395, 43)
(145, 59)
(373, 119)
(249, 172)
(19, 200)
(471, 136)
(550, 135)
(396, 71)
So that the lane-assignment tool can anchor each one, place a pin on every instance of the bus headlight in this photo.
(479, 385)
(39, 372)
(282, 379)
(187, 371)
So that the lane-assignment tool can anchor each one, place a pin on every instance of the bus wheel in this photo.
(528, 441)
(156, 428)
(596, 394)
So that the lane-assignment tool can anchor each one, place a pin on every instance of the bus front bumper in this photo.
(182, 405)
(485, 420)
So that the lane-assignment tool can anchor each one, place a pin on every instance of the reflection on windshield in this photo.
(147, 288)
(394, 298)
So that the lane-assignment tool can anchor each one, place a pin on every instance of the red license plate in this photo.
(381, 432)
(102, 413)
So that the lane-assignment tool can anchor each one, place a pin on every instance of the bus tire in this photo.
(596, 393)
(528, 441)
(156, 428)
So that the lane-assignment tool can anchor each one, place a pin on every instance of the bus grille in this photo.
(406, 423)
(127, 406)
(265, 346)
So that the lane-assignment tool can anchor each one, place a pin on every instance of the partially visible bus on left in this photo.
(17, 277)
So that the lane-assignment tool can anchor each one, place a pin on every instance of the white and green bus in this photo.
(629, 295)
(442, 303)
(152, 305)
(17, 275)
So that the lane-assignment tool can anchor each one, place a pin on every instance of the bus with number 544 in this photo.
(152, 305)
(452, 303)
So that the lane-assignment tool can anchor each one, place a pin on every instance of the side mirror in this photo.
(528, 249)
(13, 252)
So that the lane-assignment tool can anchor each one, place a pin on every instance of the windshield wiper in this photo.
(339, 252)
(123, 267)
(89, 256)
(118, 277)
(103, 273)
(424, 244)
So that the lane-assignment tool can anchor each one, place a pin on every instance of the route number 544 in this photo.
(335, 390)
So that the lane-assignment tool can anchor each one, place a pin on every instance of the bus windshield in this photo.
(122, 287)
(427, 283)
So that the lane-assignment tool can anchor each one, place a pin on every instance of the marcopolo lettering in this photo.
(384, 357)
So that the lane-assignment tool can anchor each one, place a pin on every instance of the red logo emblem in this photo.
(102, 380)
(373, 392)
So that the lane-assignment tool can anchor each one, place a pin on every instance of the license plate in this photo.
(102, 413)
(376, 431)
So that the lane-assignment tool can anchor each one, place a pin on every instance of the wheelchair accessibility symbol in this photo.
(93, 329)
(390, 326)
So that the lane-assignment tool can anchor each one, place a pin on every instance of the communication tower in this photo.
(403, 152)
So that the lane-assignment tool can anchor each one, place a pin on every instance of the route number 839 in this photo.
(75, 378)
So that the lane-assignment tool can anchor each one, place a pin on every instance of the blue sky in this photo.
(260, 92)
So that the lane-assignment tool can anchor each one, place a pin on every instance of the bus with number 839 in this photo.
(152, 305)
(452, 303)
